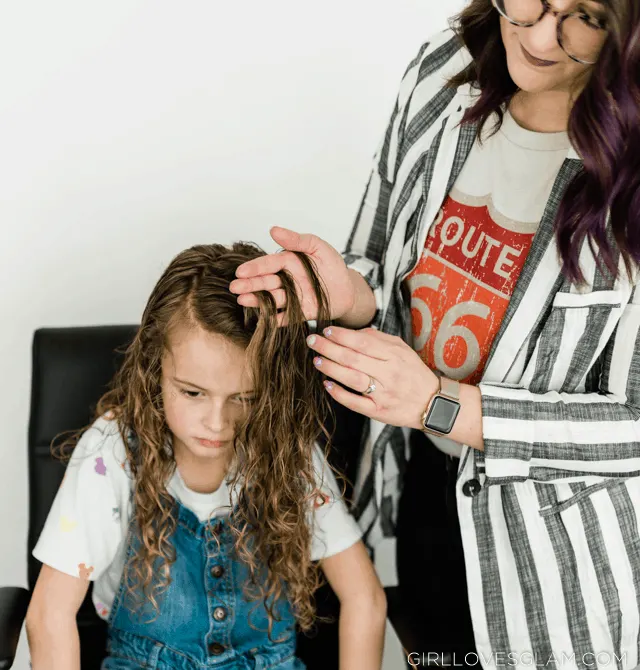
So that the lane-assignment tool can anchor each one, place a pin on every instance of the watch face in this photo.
(442, 415)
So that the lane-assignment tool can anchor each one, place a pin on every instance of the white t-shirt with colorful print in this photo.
(86, 531)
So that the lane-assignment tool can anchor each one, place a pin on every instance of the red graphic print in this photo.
(461, 287)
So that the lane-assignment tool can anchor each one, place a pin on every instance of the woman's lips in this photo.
(537, 62)
(210, 443)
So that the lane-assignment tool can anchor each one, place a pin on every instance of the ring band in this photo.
(371, 388)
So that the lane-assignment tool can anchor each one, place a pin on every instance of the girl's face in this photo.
(527, 47)
(205, 390)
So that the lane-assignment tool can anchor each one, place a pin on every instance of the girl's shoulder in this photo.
(101, 448)
(89, 517)
(325, 477)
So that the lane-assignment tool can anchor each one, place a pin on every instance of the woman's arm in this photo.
(523, 434)
(363, 607)
(368, 240)
(555, 435)
(364, 305)
(51, 625)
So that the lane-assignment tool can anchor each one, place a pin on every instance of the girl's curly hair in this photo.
(273, 446)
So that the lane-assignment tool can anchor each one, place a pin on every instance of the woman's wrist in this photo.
(467, 428)
(363, 309)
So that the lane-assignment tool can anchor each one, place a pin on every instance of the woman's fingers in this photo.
(354, 379)
(307, 243)
(355, 348)
(251, 300)
(267, 265)
(265, 283)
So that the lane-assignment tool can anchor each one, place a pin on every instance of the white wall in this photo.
(132, 129)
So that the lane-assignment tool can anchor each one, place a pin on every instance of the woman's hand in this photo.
(404, 385)
(260, 275)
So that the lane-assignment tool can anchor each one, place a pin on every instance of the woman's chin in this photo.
(528, 80)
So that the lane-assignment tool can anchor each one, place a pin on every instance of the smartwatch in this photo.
(442, 411)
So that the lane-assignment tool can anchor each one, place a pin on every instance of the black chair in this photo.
(72, 367)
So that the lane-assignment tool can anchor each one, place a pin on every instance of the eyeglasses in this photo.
(580, 34)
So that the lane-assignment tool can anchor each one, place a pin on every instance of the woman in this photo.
(496, 251)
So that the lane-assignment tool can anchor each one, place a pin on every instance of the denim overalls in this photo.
(204, 619)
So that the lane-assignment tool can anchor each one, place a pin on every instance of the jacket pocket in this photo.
(572, 337)
(561, 505)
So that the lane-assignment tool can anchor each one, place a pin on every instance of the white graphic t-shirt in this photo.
(477, 247)
(86, 531)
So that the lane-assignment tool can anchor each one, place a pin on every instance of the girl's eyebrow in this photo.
(186, 383)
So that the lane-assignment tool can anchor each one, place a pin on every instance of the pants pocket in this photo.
(121, 663)
(267, 661)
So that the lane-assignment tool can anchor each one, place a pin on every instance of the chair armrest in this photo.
(13, 608)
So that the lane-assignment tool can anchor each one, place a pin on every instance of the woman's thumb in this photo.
(289, 239)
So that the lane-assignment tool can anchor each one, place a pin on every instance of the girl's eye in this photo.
(190, 394)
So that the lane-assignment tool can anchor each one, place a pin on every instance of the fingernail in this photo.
(311, 340)
(327, 332)
(328, 386)
(317, 361)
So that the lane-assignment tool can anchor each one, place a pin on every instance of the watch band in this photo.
(450, 388)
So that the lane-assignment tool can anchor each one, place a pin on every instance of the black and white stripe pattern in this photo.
(552, 541)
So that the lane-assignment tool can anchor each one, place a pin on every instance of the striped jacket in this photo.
(550, 519)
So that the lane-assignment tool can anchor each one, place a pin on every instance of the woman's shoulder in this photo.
(441, 57)
(429, 74)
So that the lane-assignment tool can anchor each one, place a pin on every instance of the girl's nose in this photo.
(215, 420)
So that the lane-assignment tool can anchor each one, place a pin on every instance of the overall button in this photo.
(215, 648)
(471, 488)
(217, 571)
(216, 528)
(219, 613)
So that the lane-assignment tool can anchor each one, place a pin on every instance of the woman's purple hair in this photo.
(604, 127)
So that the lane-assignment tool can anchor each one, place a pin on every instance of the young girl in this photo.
(197, 502)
